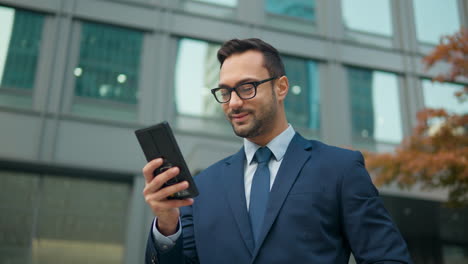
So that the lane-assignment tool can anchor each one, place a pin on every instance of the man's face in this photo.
(253, 117)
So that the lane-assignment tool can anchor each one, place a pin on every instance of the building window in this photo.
(370, 16)
(368, 21)
(302, 9)
(109, 63)
(20, 45)
(229, 3)
(303, 101)
(435, 18)
(54, 219)
(215, 8)
(296, 15)
(443, 238)
(197, 72)
(375, 106)
(20, 40)
(442, 95)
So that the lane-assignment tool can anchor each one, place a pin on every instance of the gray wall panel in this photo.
(372, 58)
(201, 152)
(97, 146)
(19, 136)
(125, 15)
(38, 5)
(296, 44)
(204, 28)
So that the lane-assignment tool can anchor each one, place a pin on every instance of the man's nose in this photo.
(235, 102)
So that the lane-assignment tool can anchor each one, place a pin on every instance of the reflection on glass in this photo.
(435, 18)
(375, 107)
(17, 193)
(303, 9)
(72, 230)
(109, 63)
(197, 72)
(20, 38)
(61, 219)
(442, 95)
(442, 238)
(455, 254)
(371, 16)
(229, 3)
(303, 101)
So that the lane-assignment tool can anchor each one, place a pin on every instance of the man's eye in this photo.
(246, 88)
(224, 92)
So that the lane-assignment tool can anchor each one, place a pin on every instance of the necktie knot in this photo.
(263, 155)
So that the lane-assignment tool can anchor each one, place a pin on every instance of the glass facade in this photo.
(303, 101)
(52, 219)
(375, 105)
(302, 9)
(109, 63)
(20, 40)
(442, 238)
(435, 18)
(197, 72)
(369, 16)
(442, 95)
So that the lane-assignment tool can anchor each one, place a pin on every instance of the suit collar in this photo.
(233, 173)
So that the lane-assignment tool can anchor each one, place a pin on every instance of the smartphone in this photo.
(158, 141)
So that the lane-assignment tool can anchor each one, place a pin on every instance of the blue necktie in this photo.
(259, 191)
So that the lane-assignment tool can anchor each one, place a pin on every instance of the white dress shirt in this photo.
(278, 147)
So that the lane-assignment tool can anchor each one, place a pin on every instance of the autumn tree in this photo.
(436, 154)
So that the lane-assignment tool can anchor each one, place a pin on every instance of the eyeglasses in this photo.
(245, 91)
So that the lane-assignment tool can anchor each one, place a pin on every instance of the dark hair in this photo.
(271, 58)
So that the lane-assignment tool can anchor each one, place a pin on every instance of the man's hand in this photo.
(167, 211)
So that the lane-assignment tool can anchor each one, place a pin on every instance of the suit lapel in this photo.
(233, 175)
(297, 154)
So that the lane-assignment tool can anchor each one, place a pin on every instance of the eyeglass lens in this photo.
(245, 91)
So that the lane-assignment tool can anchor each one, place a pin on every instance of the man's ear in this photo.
(282, 87)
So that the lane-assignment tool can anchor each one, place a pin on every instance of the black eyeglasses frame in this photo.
(230, 89)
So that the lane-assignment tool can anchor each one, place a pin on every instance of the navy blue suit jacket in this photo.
(322, 206)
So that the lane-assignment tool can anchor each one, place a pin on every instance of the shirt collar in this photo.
(277, 146)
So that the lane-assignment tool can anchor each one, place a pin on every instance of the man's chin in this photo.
(241, 130)
(246, 131)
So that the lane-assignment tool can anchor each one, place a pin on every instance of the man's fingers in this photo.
(168, 191)
(158, 181)
(168, 204)
(149, 168)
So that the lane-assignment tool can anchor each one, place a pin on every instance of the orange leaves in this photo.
(454, 51)
(435, 155)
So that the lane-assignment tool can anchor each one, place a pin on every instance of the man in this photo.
(281, 198)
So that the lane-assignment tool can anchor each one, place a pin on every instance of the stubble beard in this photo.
(261, 121)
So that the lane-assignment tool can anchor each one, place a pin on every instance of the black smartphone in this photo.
(158, 141)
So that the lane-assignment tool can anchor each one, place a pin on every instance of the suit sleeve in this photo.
(371, 234)
(183, 252)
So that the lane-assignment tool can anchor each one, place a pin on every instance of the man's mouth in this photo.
(239, 117)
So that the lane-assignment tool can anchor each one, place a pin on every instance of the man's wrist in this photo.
(163, 242)
(167, 228)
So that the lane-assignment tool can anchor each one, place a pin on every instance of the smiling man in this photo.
(280, 198)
